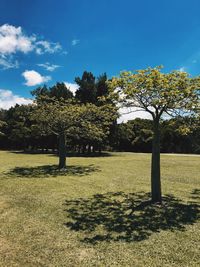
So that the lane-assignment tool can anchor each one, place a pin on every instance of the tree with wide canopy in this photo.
(159, 94)
(68, 119)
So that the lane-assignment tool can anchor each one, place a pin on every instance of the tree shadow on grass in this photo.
(196, 194)
(68, 154)
(127, 217)
(50, 170)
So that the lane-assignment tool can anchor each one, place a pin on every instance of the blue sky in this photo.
(48, 41)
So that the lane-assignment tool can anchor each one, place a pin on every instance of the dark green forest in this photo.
(20, 130)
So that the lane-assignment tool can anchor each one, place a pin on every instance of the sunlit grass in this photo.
(97, 212)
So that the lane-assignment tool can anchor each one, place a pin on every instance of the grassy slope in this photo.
(33, 212)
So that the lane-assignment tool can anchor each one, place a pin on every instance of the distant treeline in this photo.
(19, 131)
(135, 135)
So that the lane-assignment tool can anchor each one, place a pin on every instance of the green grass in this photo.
(97, 213)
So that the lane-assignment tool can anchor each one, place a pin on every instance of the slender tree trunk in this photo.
(83, 149)
(155, 165)
(89, 149)
(62, 151)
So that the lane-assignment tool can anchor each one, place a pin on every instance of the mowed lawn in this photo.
(97, 213)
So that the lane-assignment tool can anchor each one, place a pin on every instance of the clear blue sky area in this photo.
(59, 39)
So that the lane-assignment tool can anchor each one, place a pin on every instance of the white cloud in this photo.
(47, 47)
(48, 66)
(73, 87)
(127, 114)
(33, 78)
(8, 99)
(75, 42)
(13, 40)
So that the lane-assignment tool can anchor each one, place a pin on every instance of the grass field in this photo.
(97, 214)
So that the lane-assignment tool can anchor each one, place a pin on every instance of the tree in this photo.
(2, 124)
(19, 124)
(102, 86)
(2, 121)
(91, 89)
(177, 135)
(87, 88)
(69, 120)
(150, 90)
(59, 90)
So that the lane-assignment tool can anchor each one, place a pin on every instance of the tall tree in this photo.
(19, 125)
(102, 86)
(2, 121)
(70, 120)
(87, 88)
(150, 90)
(59, 91)
(2, 124)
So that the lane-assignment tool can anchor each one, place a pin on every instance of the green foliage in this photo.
(174, 93)
(58, 91)
(19, 124)
(80, 122)
(91, 89)
(135, 135)
(2, 125)
(181, 135)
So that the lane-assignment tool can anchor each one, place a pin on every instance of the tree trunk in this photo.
(89, 149)
(62, 151)
(83, 149)
(155, 165)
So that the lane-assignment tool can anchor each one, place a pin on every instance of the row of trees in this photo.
(88, 119)
(19, 132)
(58, 118)
(136, 136)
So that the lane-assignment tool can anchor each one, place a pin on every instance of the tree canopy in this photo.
(72, 120)
(58, 91)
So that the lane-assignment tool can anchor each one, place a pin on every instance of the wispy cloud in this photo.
(48, 66)
(14, 40)
(7, 63)
(75, 42)
(8, 99)
(42, 47)
(33, 78)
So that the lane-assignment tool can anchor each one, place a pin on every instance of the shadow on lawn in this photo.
(127, 217)
(196, 194)
(69, 154)
(50, 170)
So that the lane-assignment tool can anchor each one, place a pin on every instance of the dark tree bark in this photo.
(89, 149)
(83, 149)
(155, 165)
(62, 151)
